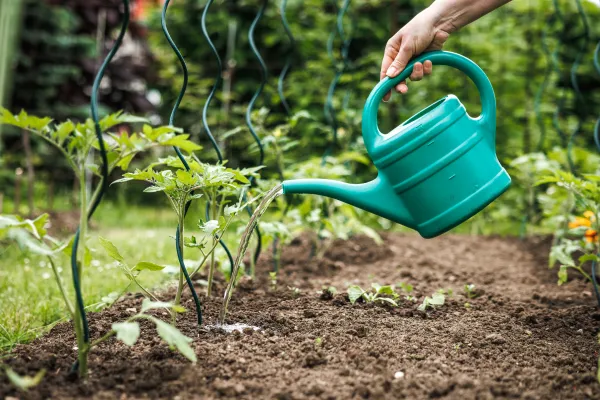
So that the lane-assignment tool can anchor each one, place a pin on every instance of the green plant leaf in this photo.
(186, 177)
(425, 304)
(111, 249)
(559, 253)
(438, 299)
(406, 287)
(24, 382)
(153, 189)
(175, 338)
(127, 332)
(592, 177)
(63, 131)
(387, 300)
(210, 227)
(354, 293)
(562, 275)
(148, 266)
(125, 161)
(588, 257)
(148, 304)
(181, 142)
(384, 290)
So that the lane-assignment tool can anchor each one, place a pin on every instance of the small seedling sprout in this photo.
(436, 300)
(318, 343)
(470, 291)
(273, 279)
(377, 293)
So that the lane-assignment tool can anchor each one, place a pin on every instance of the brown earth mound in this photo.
(522, 337)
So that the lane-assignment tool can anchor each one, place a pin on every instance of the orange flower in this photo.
(580, 221)
(591, 236)
(590, 215)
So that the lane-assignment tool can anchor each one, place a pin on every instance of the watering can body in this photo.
(437, 169)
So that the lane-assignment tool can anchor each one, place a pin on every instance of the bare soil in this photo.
(522, 337)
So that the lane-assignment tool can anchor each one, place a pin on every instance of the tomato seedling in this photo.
(469, 289)
(436, 300)
(217, 184)
(75, 141)
(377, 293)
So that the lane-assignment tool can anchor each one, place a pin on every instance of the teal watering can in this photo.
(437, 169)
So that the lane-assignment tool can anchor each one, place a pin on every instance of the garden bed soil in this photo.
(522, 337)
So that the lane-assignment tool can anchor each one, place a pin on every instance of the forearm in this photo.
(451, 15)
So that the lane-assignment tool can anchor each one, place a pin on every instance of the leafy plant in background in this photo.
(76, 141)
(526, 170)
(327, 218)
(576, 244)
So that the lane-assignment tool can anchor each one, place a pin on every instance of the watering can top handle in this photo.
(488, 100)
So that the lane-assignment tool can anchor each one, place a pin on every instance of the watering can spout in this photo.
(377, 196)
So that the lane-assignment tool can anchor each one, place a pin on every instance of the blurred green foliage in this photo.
(507, 44)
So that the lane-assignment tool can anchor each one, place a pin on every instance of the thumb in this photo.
(402, 58)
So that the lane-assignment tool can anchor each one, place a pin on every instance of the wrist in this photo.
(443, 15)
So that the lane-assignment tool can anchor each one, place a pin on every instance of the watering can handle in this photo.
(370, 128)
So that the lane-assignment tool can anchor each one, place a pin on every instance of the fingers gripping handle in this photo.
(370, 128)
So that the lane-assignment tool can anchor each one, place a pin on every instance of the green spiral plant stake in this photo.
(597, 141)
(555, 64)
(81, 324)
(179, 231)
(597, 67)
(212, 139)
(329, 109)
(288, 61)
(346, 39)
(261, 86)
(575, 84)
(537, 108)
(286, 107)
(330, 114)
(540, 93)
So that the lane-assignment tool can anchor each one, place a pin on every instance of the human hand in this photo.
(417, 36)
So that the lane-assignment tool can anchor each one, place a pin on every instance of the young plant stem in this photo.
(146, 292)
(201, 264)
(143, 289)
(211, 271)
(181, 278)
(82, 345)
(278, 248)
(66, 155)
(96, 193)
(61, 287)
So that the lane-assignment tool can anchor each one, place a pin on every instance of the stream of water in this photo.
(246, 236)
